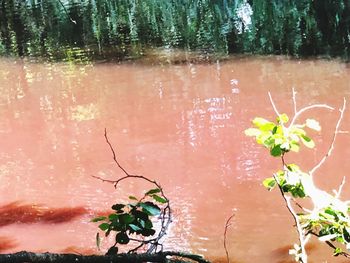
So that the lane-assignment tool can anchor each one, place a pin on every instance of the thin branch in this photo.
(331, 147)
(338, 193)
(294, 93)
(297, 115)
(273, 104)
(227, 225)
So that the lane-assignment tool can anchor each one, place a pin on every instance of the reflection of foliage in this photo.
(329, 217)
(126, 27)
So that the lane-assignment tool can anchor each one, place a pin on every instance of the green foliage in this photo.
(132, 219)
(280, 139)
(329, 218)
(297, 27)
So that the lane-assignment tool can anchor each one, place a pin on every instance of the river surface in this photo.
(182, 125)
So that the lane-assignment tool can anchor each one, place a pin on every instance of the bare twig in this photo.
(338, 193)
(227, 225)
(331, 147)
(273, 104)
(294, 93)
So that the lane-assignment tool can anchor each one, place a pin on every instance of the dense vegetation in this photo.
(127, 27)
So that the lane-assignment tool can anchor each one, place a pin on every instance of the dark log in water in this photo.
(166, 256)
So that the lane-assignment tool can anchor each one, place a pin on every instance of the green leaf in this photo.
(294, 146)
(126, 218)
(133, 198)
(118, 207)
(153, 191)
(97, 219)
(283, 118)
(269, 183)
(104, 226)
(252, 132)
(112, 217)
(313, 124)
(276, 151)
(122, 238)
(337, 251)
(308, 142)
(159, 199)
(150, 208)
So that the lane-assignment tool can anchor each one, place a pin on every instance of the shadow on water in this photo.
(16, 212)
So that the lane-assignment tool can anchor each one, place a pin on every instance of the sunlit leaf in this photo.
(283, 118)
(337, 251)
(294, 146)
(150, 208)
(153, 191)
(263, 125)
(252, 132)
(308, 142)
(313, 124)
(159, 199)
(135, 227)
(269, 183)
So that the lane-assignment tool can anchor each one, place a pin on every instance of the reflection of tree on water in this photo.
(125, 28)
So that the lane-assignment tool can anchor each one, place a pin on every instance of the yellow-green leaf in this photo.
(308, 142)
(313, 124)
(269, 183)
(283, 118)
(263, 124)
(252, 132)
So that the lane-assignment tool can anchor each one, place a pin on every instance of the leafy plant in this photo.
(133, 219)
(328, 217)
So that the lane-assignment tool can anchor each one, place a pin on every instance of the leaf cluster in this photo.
(291, 180)
(280, 139)
(132, 219)
(329, 219)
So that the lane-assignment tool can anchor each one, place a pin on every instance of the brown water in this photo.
(182, 125)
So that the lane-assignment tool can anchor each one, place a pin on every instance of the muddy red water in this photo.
(181, 125)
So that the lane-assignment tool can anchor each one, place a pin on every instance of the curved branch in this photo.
(331, 146)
